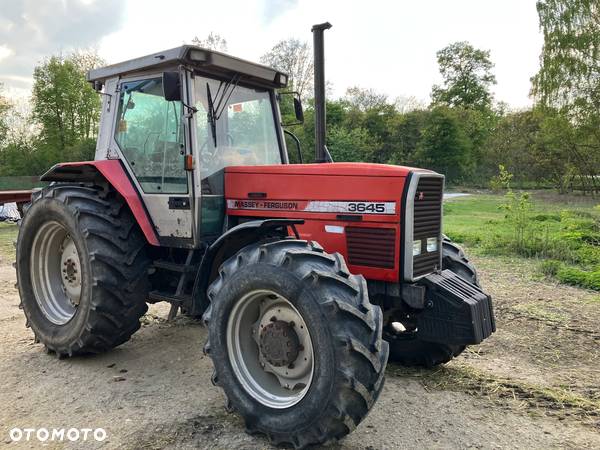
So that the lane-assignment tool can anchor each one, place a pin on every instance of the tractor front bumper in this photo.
(456, 311)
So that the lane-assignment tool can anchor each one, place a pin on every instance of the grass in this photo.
(8, 234)
(562, 233)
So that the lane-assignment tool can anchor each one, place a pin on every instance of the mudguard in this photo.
(113, 172)
(227, 245)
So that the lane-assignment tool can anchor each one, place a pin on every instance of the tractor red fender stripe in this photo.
(114, 173)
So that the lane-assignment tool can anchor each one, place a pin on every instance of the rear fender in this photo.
(112, 172)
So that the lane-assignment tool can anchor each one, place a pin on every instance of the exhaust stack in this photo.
(321, 153)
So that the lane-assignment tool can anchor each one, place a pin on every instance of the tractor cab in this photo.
(176, 119)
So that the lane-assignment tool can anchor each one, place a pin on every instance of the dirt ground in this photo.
(534, 384)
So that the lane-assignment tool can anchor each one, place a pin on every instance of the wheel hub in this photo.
(279, 343)
(270, 348)
(70, 270)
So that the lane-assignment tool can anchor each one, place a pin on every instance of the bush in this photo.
(550, 267)
(544, 217)
(577, 277)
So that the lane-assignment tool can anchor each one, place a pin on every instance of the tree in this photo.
(295, 58)
(213, 41)
(406, 135)
(66, 109)
(365, 99)
(512, 145)
(467, 75)
(4, 111)
(353, 145)
(568, 80)
(64, 103)
(444, 146)
(570, 59)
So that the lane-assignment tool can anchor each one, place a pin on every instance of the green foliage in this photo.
(444, 146)
(565, 238)
(65, 110)
(502, 180)
(365, 99)
(517, 208)
(64, 104)
(462, 134)
(550, 267)
(568, 84)
(578, 277)
(8, 235)
(5, 108)
(467, 75)
(352, 145)
(570, 60)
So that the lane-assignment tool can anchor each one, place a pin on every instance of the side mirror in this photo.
(171, 86)
(298, 109)
(298, 112)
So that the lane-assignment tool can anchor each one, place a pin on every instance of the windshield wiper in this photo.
(214, 112)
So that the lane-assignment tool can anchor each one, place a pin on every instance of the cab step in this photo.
(174, 267)
(158, 296)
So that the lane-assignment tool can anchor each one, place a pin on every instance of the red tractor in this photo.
(306, 275)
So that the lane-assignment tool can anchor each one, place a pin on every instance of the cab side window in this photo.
(149, 132)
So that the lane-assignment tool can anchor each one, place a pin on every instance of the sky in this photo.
(389, 46)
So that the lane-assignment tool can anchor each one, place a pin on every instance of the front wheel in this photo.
(295, 343)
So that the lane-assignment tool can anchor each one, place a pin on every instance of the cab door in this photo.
(150, 137)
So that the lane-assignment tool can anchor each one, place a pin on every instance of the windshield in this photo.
(244, 131)
(244, 126)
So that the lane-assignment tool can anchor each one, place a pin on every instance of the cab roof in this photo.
(208, 61)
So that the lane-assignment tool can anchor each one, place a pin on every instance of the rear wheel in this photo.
(81, 269)
(295, 343)
(405, 347)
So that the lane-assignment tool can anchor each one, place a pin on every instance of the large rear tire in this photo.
(295, 343)
(81, 269)
(405, 347)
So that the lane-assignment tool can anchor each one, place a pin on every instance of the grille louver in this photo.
(373, 247)
(427, 223)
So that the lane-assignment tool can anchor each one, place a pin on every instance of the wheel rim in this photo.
(55, 273)
(270, 349)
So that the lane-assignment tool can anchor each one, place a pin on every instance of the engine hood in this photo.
(327, 169)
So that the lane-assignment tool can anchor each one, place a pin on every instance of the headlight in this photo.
(416, 248)
(432, 244)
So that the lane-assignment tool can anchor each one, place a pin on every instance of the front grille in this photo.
(373, 247)
(427, 223)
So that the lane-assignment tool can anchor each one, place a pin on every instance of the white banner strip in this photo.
(353, 207)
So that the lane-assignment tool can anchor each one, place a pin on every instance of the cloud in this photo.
(32, 30)
(390, 47)
(274, 8)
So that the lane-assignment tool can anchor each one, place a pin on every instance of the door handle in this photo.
(179, 203)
